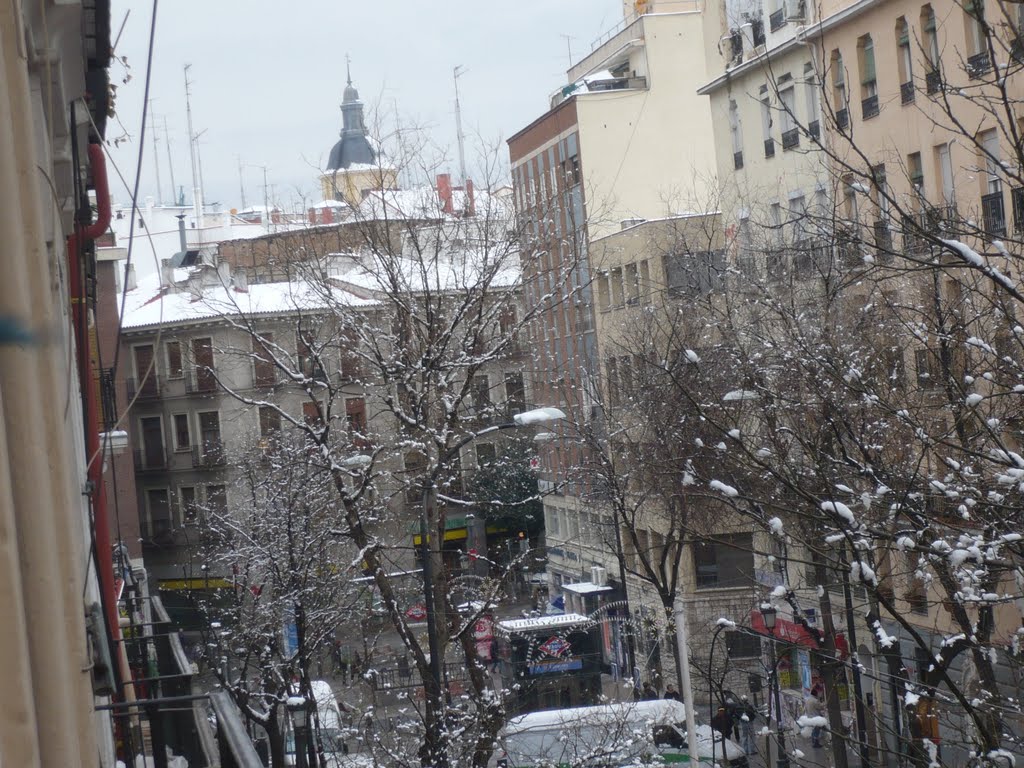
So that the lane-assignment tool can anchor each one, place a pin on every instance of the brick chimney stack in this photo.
(444, 192)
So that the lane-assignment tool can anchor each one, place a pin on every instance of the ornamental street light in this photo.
(768, 613)
(537, 416)
(297, 708)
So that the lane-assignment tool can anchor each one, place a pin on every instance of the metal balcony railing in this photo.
(842, 118)
(153, 459)
(869, 106)
(883, 240)
(148, 389)
(1017, 201)
(777, 20)
(791, 138)
(814, 129)
(737, 160)
(933, 82)
(979, 64)
(907, 92)
(210, 454)
(769, 147)
(993, 211)
(200, 380)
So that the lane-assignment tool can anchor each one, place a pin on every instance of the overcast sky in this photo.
(268, 76)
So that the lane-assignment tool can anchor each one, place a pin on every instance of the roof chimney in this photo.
(182, 239)
(470, 202)
(444, 192)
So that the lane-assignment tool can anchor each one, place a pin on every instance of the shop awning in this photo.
(791, 632)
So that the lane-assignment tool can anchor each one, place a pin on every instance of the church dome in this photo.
(354, 146)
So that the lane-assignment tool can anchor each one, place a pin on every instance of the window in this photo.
(726, 561)
(553, 527)
(840, 97)
(790, 134)
(202, 362)
(311, 414)
(182, 434)
(216, 500)
(616, 286)
(310, 363)
(515, 392)
(145, 372)
(917, 597)
(977, 42)
(989, 142)
(944, 170)
(868, 79)
(916, 171)
(158, 513)
(174, 367)
(645, 281)
(209, 434)
(737, 137)
(742, 645)
(930, 43)
(798, 218)
(603, 298)
(152, 456)
(571, 170)
(813, 105)
(351, 362)
(263, 371)
(766, 123)
(905, 61)
(612, 366)
(481, 393)
(415, 464)
(926, 363)
(355, 417)
(630, 283)
(485, 454)
(270, 421)
(188, 503)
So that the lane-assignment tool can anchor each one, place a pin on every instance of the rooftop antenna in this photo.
(197, 192)
(156, 154)
(241, 181)
(456, 72)
(568, 47)
(170, 161)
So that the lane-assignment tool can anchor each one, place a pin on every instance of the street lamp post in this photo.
(768, 613)
(428, 507)
(682, 640)
(297, 707)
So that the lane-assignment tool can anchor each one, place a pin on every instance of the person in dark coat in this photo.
(650, 693)
(721, 722)
(671, 692)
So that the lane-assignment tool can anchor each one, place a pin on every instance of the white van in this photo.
(329, 718)
(628, 734)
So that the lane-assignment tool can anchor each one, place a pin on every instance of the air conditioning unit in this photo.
(598, 576)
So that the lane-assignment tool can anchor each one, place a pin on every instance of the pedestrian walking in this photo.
(671, 692)
(747, 716)
(721, 722)
(815, 713)
(649, 693)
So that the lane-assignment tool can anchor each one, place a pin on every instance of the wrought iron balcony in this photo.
(151, 459)
(842, 118)
(148, 389)
(210, 454)
(200, 380)
(869, 106)
(1017, 201)
(883, 240)
(814, 129)
(979, 64)
(933, 81)
(737, 160)
(769, 147)
(907, 92)
(777, 20)
(791, 138)
(993, 212)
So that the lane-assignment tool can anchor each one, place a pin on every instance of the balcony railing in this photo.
(814, 129)
(933, 82)
(791, 138)
(148, 389)
(769, 147)
(934, 220)
(907, 93)
(978, 64)
(883, 240)
(737, 160)
(1017, 201)
(842, 118)
(200, 380)
(993, 212)
(777, 20)
(153, 459)
(1017, 50)
(210, 454)
(869, 106)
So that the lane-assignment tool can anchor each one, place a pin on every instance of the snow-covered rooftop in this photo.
(151, 304)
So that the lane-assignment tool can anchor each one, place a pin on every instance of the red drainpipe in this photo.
(80, 318)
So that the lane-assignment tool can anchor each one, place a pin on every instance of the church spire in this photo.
(348, 68)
